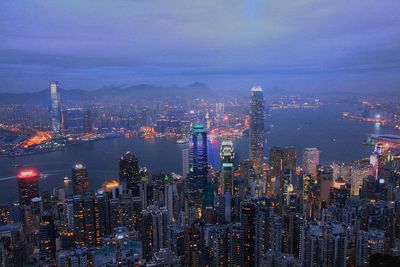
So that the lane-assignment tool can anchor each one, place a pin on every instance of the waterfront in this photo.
(339, 140)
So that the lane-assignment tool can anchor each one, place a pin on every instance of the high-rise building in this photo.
(55, 108)
(80, 179)
(227, 158)
(358, 174)
(76, 122)
(129, 175)
(257, 135)
(248, 221)
(185, 162)
(153, 230)
(310, 161)
(197, 179)
(28, 185)
(47, 237)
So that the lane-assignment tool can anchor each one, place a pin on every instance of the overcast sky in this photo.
(295, 45)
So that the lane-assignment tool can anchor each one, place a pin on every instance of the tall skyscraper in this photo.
(129, 175)
(28, 185)
(227, 157)
(185, 162)
(80, 179)
(153, 230)
(55, 108)
(199, 167)
(257, 135)
(310, 161)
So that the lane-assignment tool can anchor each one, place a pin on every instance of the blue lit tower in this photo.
(55, 108)
(199, 167)
(257, 136)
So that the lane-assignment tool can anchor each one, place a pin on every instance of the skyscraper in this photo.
(310, 161)
(129, 175)
(153, 230)
(28, 185)
(257, 136)
(227, 157)
(47, 237)
(199, 167)
(76, 121)
(283, 163)
(185, 162)
(80, 179)
(55, 108)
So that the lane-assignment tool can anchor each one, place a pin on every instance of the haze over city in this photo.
(293, 45)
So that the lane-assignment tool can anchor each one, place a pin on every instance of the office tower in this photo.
(257, 135)
(325, 179)
(28, 185)
(248, 221)
(84, 220)
(358, 174)
(185, 162)
(310, 161)
(80, 179)
(227, 155)
(153, 230)
(129, 175)
(47, 237)
(76, 122)
(197, 179)
(55, 108)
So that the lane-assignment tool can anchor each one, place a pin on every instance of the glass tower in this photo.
(55, 108)
(257, 136)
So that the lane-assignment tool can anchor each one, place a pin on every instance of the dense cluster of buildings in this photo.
(250, 214)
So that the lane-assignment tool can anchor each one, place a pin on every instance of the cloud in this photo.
(90, 44)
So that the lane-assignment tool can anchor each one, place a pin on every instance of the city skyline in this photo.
(202, 133)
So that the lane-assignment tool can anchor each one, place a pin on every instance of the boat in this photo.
(182, 141)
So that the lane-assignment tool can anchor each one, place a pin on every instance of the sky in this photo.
(293, 45)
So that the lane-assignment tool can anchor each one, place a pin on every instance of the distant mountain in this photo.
(111, 93)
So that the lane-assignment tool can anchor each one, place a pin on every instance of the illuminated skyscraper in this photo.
(55, 108)
(310, 161)
(129, 175)
(80, 179)
(199, 167)
(28, 185)
(227, 157)
(283, 163)
(257, 135)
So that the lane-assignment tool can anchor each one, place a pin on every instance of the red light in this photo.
(27, 173)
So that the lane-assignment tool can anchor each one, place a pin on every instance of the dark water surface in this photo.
(339, 140)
